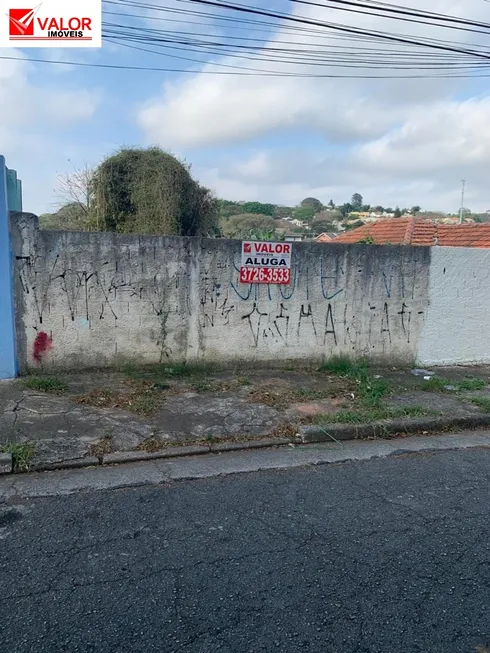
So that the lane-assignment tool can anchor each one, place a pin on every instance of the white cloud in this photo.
(34, 119)
(288, 176)
(452, 134)
(402, 139)
(208, 109)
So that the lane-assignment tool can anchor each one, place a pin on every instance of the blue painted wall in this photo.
(8, 363)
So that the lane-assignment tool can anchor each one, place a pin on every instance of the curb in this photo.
(6, 463)
(121, 457)
(193, 450)
(307, 435)
(342, 432)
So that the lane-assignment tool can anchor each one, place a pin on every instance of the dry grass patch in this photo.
(102, 447)
(142, 398)
(284, 397)
(286, 431)
(152, 444)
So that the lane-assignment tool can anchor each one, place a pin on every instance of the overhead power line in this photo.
(279, 44)
(342, 28)
(210, 72)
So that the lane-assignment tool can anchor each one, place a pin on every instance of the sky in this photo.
(399, 142)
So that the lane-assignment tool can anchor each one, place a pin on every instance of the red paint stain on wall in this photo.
(42, 344)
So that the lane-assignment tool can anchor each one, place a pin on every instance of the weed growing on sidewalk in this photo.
(140, 398)
(162, 372)
(370, 390)
(343, 366)
(365, 415)
(22, 455)
(102, 447)
(482, 402)
(151, 444)
(471, 384)
(440, 384)
(368, 396)
(50, 384)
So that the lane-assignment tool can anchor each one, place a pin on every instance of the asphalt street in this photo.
(389, 556)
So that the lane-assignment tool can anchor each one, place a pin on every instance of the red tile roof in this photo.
(324, 238)
(417, 231)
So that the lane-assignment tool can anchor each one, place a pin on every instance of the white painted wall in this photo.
(457, 326)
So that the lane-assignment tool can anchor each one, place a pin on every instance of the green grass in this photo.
(371, 391)
(439, 383)
(471, 384)
(363, 416)
(22, 454)
(202, 385)
(308, 393)
(482, 402)
(344, 366)
(436, 384)
(145, 404)
(50, 384)
(244, 381)
(160, 373)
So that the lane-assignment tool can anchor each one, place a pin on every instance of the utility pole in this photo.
(463, 185)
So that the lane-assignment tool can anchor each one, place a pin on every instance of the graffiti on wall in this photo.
(161, 303)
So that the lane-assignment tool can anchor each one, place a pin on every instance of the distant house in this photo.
(325, 238)
(418, 231)
(297, 223)
(293, 238)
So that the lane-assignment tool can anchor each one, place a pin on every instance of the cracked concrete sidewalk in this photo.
(63, 431)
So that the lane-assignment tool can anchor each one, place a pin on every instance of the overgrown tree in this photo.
(226, 208)
(345, 209)
(259, 208)
(245, 225)
(319, 225)
(150, 191)
(398, 213)
(304, 213)
(281, 212)
(414, 210)
(313, 203)
(357, 202)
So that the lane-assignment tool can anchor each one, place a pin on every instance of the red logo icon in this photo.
(21, 22)
(247, 248)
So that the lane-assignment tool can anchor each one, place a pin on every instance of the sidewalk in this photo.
(49, 421)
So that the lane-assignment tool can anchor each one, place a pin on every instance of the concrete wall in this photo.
(91, 300)
(457, 328)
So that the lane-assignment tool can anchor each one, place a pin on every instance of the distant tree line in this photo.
(148, 190)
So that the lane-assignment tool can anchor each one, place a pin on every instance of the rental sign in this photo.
(264, 262)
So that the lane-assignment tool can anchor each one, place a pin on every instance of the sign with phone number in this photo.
(265, 275)
(266, 262)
